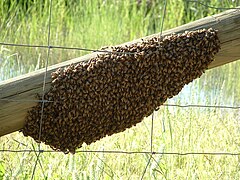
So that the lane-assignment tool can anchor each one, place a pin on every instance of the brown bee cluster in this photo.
(115, 91)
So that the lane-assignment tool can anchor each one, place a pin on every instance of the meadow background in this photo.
(97, 23)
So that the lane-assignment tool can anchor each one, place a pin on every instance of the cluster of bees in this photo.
(116, 90)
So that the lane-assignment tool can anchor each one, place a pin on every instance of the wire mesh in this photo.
(150, 154)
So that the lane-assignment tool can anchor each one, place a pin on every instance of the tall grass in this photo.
(93, 24)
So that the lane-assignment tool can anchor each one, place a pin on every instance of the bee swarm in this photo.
(115, 91)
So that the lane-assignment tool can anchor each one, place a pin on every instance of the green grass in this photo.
(99, 23)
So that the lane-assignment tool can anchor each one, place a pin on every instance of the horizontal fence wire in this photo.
(64, 47)
(212, 7)
(39, 150)
(167, 105)
(202, 106)
(126, 152)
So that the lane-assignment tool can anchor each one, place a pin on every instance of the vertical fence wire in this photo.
(43, 89)
(152, 119)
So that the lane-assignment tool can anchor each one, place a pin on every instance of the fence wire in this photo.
(125, 152)
(43, 90)
(150, 153)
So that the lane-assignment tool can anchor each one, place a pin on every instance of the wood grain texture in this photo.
(18, 95)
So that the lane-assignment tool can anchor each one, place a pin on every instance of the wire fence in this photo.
(151, 153)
